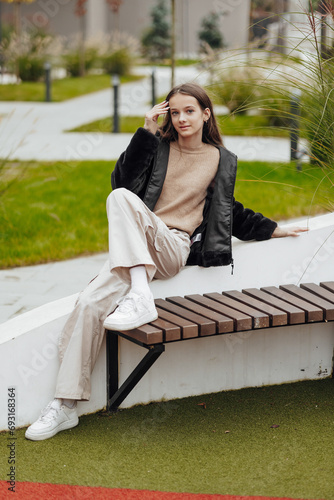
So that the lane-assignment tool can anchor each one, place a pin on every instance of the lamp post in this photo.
(47, 68)
(294, 124)
(115, 85)
(153, 86)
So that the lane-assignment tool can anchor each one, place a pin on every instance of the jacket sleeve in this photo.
(131, 168)
(249, 225)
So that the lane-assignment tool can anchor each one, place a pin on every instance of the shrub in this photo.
(72, 60)
(249, 89)
(274, 103)
(30, 68)
(112, 53)
(118, 62)
(26, 54)
(79, 55)
(238, 90)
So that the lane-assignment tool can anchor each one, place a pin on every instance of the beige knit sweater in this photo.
(189, 174)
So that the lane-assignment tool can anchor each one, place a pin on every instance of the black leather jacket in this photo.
(142, 169)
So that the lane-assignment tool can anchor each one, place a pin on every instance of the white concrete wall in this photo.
(28, 343)
(245, 359)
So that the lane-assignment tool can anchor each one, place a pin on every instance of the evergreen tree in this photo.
(210, 32)
(156, 40)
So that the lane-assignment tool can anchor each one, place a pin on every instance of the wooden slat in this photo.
(277, 317)
(241, 321)
(189, 329)
(223, 324)
(206, 326)
(259, 319)
(329, 285)
(200, 315)
(147, 334)
(171, 332)
(313, 313)
(295, 315)
(327, 307)
(319, 290)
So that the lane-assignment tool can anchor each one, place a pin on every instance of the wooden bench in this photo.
(196, 316)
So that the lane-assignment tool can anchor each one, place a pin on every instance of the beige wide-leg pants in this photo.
(136, 237)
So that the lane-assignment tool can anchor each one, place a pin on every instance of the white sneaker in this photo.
(133, 311)
(54, 418)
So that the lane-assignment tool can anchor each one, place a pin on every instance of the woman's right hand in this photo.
(151, 117)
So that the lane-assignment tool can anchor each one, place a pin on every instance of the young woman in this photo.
(172, 204)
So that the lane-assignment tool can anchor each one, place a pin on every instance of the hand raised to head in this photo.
(151, 117)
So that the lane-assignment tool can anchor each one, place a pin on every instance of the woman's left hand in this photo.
(289, 231)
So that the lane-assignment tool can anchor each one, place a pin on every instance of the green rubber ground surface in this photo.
(271, 441)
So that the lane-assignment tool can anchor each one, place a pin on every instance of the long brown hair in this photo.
(211, 133)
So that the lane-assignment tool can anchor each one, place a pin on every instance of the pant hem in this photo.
(73, 396)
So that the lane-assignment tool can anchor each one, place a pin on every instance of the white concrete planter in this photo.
(28, 343)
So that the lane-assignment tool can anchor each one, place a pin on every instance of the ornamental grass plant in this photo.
(24, 55)
(295, 87)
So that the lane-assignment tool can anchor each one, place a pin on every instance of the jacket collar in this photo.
(157, 177)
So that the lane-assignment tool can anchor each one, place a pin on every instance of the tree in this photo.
(156, 40)
(115, 6)
(80, 11)
(17, 13)
(210, 33)
(173, 43)
(265, 12)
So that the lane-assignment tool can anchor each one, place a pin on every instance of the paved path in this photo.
(35, 131)
(24, 288)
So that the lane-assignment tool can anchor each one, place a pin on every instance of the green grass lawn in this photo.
(253, 126)
(243, 125)
(128, 125)
(267, 441)
(56, 211)
(66, 88)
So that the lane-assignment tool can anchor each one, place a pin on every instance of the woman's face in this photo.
(187, 115)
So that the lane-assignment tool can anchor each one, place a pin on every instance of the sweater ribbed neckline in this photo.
(198, 150)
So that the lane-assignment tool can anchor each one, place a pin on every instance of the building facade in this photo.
(59, 17)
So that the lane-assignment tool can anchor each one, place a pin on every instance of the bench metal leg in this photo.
(112, 364)
(115, 394)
